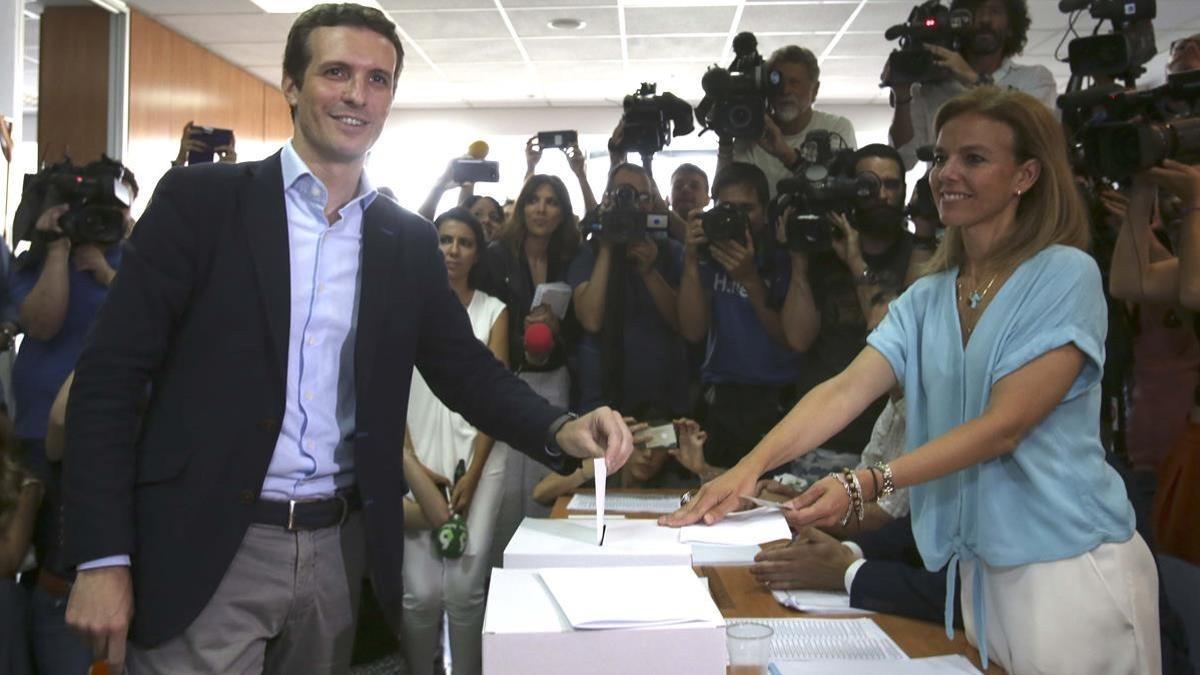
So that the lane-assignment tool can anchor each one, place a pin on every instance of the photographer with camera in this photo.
(790, 118)
(752, 302)
(59, 286)
(624, 281)
(853, 282)
(997, 33)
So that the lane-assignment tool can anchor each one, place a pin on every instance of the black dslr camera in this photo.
(1134, 130)
(621, 222)
(823, 184)
(651, 121)
(929, 23)
(723, 222)
(96, 196)
(735, 98)
(1121, 53)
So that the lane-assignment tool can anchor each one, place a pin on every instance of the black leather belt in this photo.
(295, 515)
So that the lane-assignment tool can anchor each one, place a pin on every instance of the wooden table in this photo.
(738, 595)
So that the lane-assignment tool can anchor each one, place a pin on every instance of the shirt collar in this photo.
(1003, 71)
(295, 169)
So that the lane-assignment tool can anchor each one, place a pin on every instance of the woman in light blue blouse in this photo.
(999, 349)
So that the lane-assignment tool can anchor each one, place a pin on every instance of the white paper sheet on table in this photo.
(814, 639)
(601, 479)
(818, 602)
(742, 528)
(951, 664)
(594, 598)
(626, 503)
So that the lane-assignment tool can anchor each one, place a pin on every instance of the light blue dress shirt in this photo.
(1054, 497)
(314, 454)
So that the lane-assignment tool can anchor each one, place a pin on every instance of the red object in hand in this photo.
(539, 341)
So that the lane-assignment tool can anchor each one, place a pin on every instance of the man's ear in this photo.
(816, 88)
(291, 90)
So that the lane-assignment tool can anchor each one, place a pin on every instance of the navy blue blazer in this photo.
(894, 579)
(199, 317)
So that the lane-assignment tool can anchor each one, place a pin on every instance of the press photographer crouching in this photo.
(625, 281)
(983, 36)
(864, 267)
(77, 220)
(751, 300)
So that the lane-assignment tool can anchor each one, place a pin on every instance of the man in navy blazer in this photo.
(267, 319)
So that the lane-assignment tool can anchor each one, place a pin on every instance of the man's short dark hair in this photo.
(688, 167)
(796, 54)
(298, 54)
(741, 173)
(1018, 22)
(878, 150)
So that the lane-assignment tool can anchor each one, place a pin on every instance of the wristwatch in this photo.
(556, 426)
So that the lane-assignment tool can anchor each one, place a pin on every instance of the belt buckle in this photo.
(291, 521)
(345, 507)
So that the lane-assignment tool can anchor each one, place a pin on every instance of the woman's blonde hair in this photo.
(1051, 211)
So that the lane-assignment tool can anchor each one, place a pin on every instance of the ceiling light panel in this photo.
(645, 21)
(467, 24)
(805, 18)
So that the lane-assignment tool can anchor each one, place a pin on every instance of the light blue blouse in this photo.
(1054, 496)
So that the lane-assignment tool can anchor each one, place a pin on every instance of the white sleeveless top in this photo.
(441, 436)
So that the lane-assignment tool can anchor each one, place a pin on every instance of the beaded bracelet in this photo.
(845, 486)
(888, 485)
(856, 499)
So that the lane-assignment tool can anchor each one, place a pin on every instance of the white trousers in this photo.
(1094, 614)
(433, 584)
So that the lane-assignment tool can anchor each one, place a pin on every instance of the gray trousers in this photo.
(287, 604)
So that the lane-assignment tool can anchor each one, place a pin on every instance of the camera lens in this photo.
(739, 116)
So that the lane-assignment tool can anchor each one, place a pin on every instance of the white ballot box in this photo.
(559, 542)
(650, 621)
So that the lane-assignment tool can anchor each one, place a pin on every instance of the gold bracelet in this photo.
(889, 486)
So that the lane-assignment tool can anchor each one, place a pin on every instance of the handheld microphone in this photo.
(539, 341)
(478, 150)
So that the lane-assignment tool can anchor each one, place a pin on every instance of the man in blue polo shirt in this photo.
(753, 303)
(58, 286)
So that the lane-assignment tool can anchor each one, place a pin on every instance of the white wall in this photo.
(417, 144)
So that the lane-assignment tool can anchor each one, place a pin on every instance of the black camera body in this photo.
(1121, 53)
(735, 98)
(929, 23)
(652, 120)
(96, 196)
(1136, 130)
(824, 183)
(621, 222)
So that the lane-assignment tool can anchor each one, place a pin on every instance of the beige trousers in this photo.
(1094, 614)
(287, 604)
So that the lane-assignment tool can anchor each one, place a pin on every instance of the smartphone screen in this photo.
(557, 139)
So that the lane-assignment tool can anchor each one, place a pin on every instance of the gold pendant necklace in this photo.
(976, 296)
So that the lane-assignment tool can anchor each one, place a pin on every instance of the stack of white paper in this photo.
(741, 528)
(818, 602)
(815, 639)
(601, 479)
(953, 664)
(626, 597)
(626, 503)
